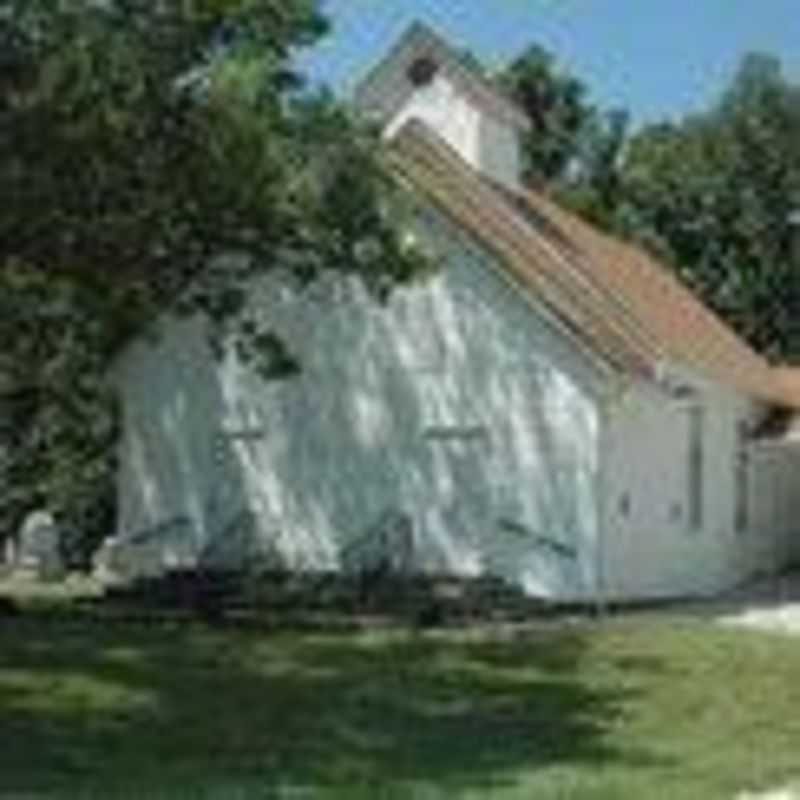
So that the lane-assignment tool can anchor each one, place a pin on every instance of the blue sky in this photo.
(657, 58)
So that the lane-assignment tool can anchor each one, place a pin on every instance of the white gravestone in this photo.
(39, 551)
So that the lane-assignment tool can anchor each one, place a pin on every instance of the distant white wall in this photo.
(456, 405)
(482, 140)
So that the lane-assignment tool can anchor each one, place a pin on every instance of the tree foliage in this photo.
(573, 147)
(555, 103)
(139, 141)
(714, 193)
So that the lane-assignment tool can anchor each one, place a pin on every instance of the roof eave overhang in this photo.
(418, 157)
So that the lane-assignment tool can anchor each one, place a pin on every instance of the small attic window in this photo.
(422, 71)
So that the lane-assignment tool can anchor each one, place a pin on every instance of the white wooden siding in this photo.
(486, 143)
(653, 550)
(457, 405)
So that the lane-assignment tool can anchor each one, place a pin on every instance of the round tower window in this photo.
(422, 71)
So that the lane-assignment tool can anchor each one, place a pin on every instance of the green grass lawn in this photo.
(643, 707)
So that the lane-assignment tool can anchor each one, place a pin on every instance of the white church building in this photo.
(551, 406)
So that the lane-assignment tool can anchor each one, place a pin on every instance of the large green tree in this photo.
(139, 141)
(715, 193)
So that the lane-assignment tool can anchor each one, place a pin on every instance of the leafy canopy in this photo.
(712, 194)
(140, 140)
(715, 194)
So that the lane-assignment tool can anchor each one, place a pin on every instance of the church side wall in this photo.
(457, 412)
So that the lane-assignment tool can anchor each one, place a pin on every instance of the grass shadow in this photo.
(99, 709)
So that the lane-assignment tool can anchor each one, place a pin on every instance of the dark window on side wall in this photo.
(742, 481)
(422, 71)
(696, 467)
